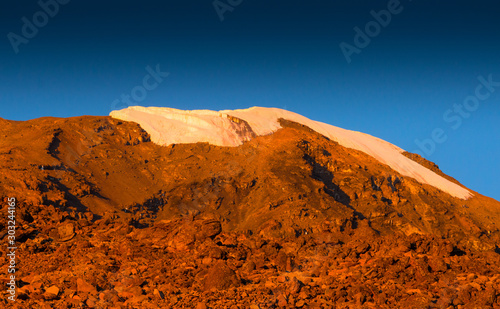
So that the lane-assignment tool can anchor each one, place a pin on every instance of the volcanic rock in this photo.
(289, 217)
(220, 277)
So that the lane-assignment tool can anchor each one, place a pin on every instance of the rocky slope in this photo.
(106, 218)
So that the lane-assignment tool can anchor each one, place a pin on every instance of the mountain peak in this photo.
(234, 127)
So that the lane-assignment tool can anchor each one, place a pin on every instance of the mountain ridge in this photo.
(170, 126)
(74, 147)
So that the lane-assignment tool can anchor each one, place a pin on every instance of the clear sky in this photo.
(422, 74)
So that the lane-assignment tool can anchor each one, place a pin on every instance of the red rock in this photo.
(158, 294)
(85, 287)
(220, 277)
(91, 302)
(209, 228)
(207, 261)
(282, 302)
(201, 305)
(51, 293)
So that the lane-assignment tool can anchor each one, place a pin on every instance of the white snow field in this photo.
(173, 126)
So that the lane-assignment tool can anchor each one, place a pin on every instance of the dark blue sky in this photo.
(411, 80)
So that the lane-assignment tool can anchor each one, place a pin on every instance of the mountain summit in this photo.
(233, 127)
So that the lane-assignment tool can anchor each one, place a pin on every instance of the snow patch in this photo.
(172, 126)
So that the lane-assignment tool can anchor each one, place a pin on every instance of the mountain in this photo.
(264, 207)
(231, 128)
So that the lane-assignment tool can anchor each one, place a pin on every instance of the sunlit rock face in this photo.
(233, 127)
